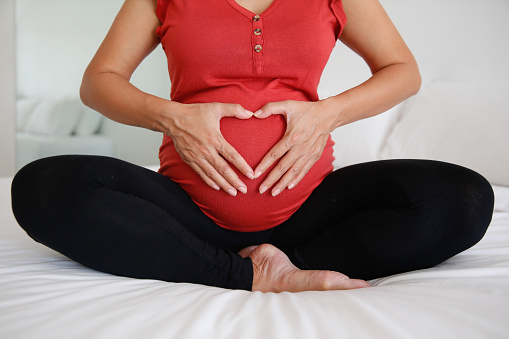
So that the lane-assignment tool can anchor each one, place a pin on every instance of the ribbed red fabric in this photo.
(220, 52)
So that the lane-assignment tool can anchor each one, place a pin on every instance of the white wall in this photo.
(456, 40)
(7, 88)
(452, 39)
(459, 40)
(56, 41)
(58, 38)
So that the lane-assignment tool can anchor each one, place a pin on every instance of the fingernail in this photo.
(292, 185)
(257, 113)
(214, 186)
(248, 113)
(276, 192)
(243, 189)
(263, 189)
(258, 174)
(250, 175)
(232, 192)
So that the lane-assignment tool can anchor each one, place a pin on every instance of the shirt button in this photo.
(257, 31)
(258, 48)
(256, 17)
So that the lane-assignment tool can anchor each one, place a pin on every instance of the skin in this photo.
(194, 128)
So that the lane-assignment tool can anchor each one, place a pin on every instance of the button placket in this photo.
(257, 44)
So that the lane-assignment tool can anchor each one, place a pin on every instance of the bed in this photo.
(45, 295)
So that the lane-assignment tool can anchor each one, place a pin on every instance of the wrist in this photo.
(333, 107)
(163, 113)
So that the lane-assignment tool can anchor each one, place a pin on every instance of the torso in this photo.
(212, 57)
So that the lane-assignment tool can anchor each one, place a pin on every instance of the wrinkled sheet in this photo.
(45, 295)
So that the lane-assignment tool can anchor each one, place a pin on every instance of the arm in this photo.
(370, 33)
(106, 87)
(193, 128)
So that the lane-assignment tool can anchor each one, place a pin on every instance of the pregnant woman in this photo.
(246, 196)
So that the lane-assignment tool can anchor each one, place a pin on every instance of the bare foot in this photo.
(273, 272)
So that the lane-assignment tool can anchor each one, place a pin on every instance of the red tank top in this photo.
(220, 52)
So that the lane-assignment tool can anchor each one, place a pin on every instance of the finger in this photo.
(234, 110)
(313, 156)
(272, 108)
(276, 152)
(301, 174)
(204, 177)
(224, 171)
(233, 157)
(297, 170)
(213, 175)
(356, 283)
(311, 160)
(210, 175)
(278, 171)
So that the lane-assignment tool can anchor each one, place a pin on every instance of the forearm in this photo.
(384, 90)
(116, 98)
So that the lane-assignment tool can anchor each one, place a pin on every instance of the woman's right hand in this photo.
(194, 129)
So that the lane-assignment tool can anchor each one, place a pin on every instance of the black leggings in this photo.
(368, 220)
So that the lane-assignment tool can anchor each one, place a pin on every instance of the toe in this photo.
(357, 283)
(245, 252)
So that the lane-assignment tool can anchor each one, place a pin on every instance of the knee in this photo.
(24, 196)
(477, 199)
(27, 180)
(38, 188)
(31, 186)
(469, 201)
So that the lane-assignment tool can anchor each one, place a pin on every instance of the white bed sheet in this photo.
(45, 295)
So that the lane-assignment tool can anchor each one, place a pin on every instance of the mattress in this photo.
(45, 295)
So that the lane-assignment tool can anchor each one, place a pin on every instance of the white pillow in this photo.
(362, 140)
(89, 122)
(55, 116)
(501, 198)
(24, 109)
(465, 124)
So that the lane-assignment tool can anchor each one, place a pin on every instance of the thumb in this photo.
(235, 110)
(272, 108)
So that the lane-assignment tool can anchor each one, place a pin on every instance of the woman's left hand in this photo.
(308, 127)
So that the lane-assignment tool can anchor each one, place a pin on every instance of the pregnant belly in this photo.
(253, 211)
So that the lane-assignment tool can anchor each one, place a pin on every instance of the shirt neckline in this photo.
(250, 14)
